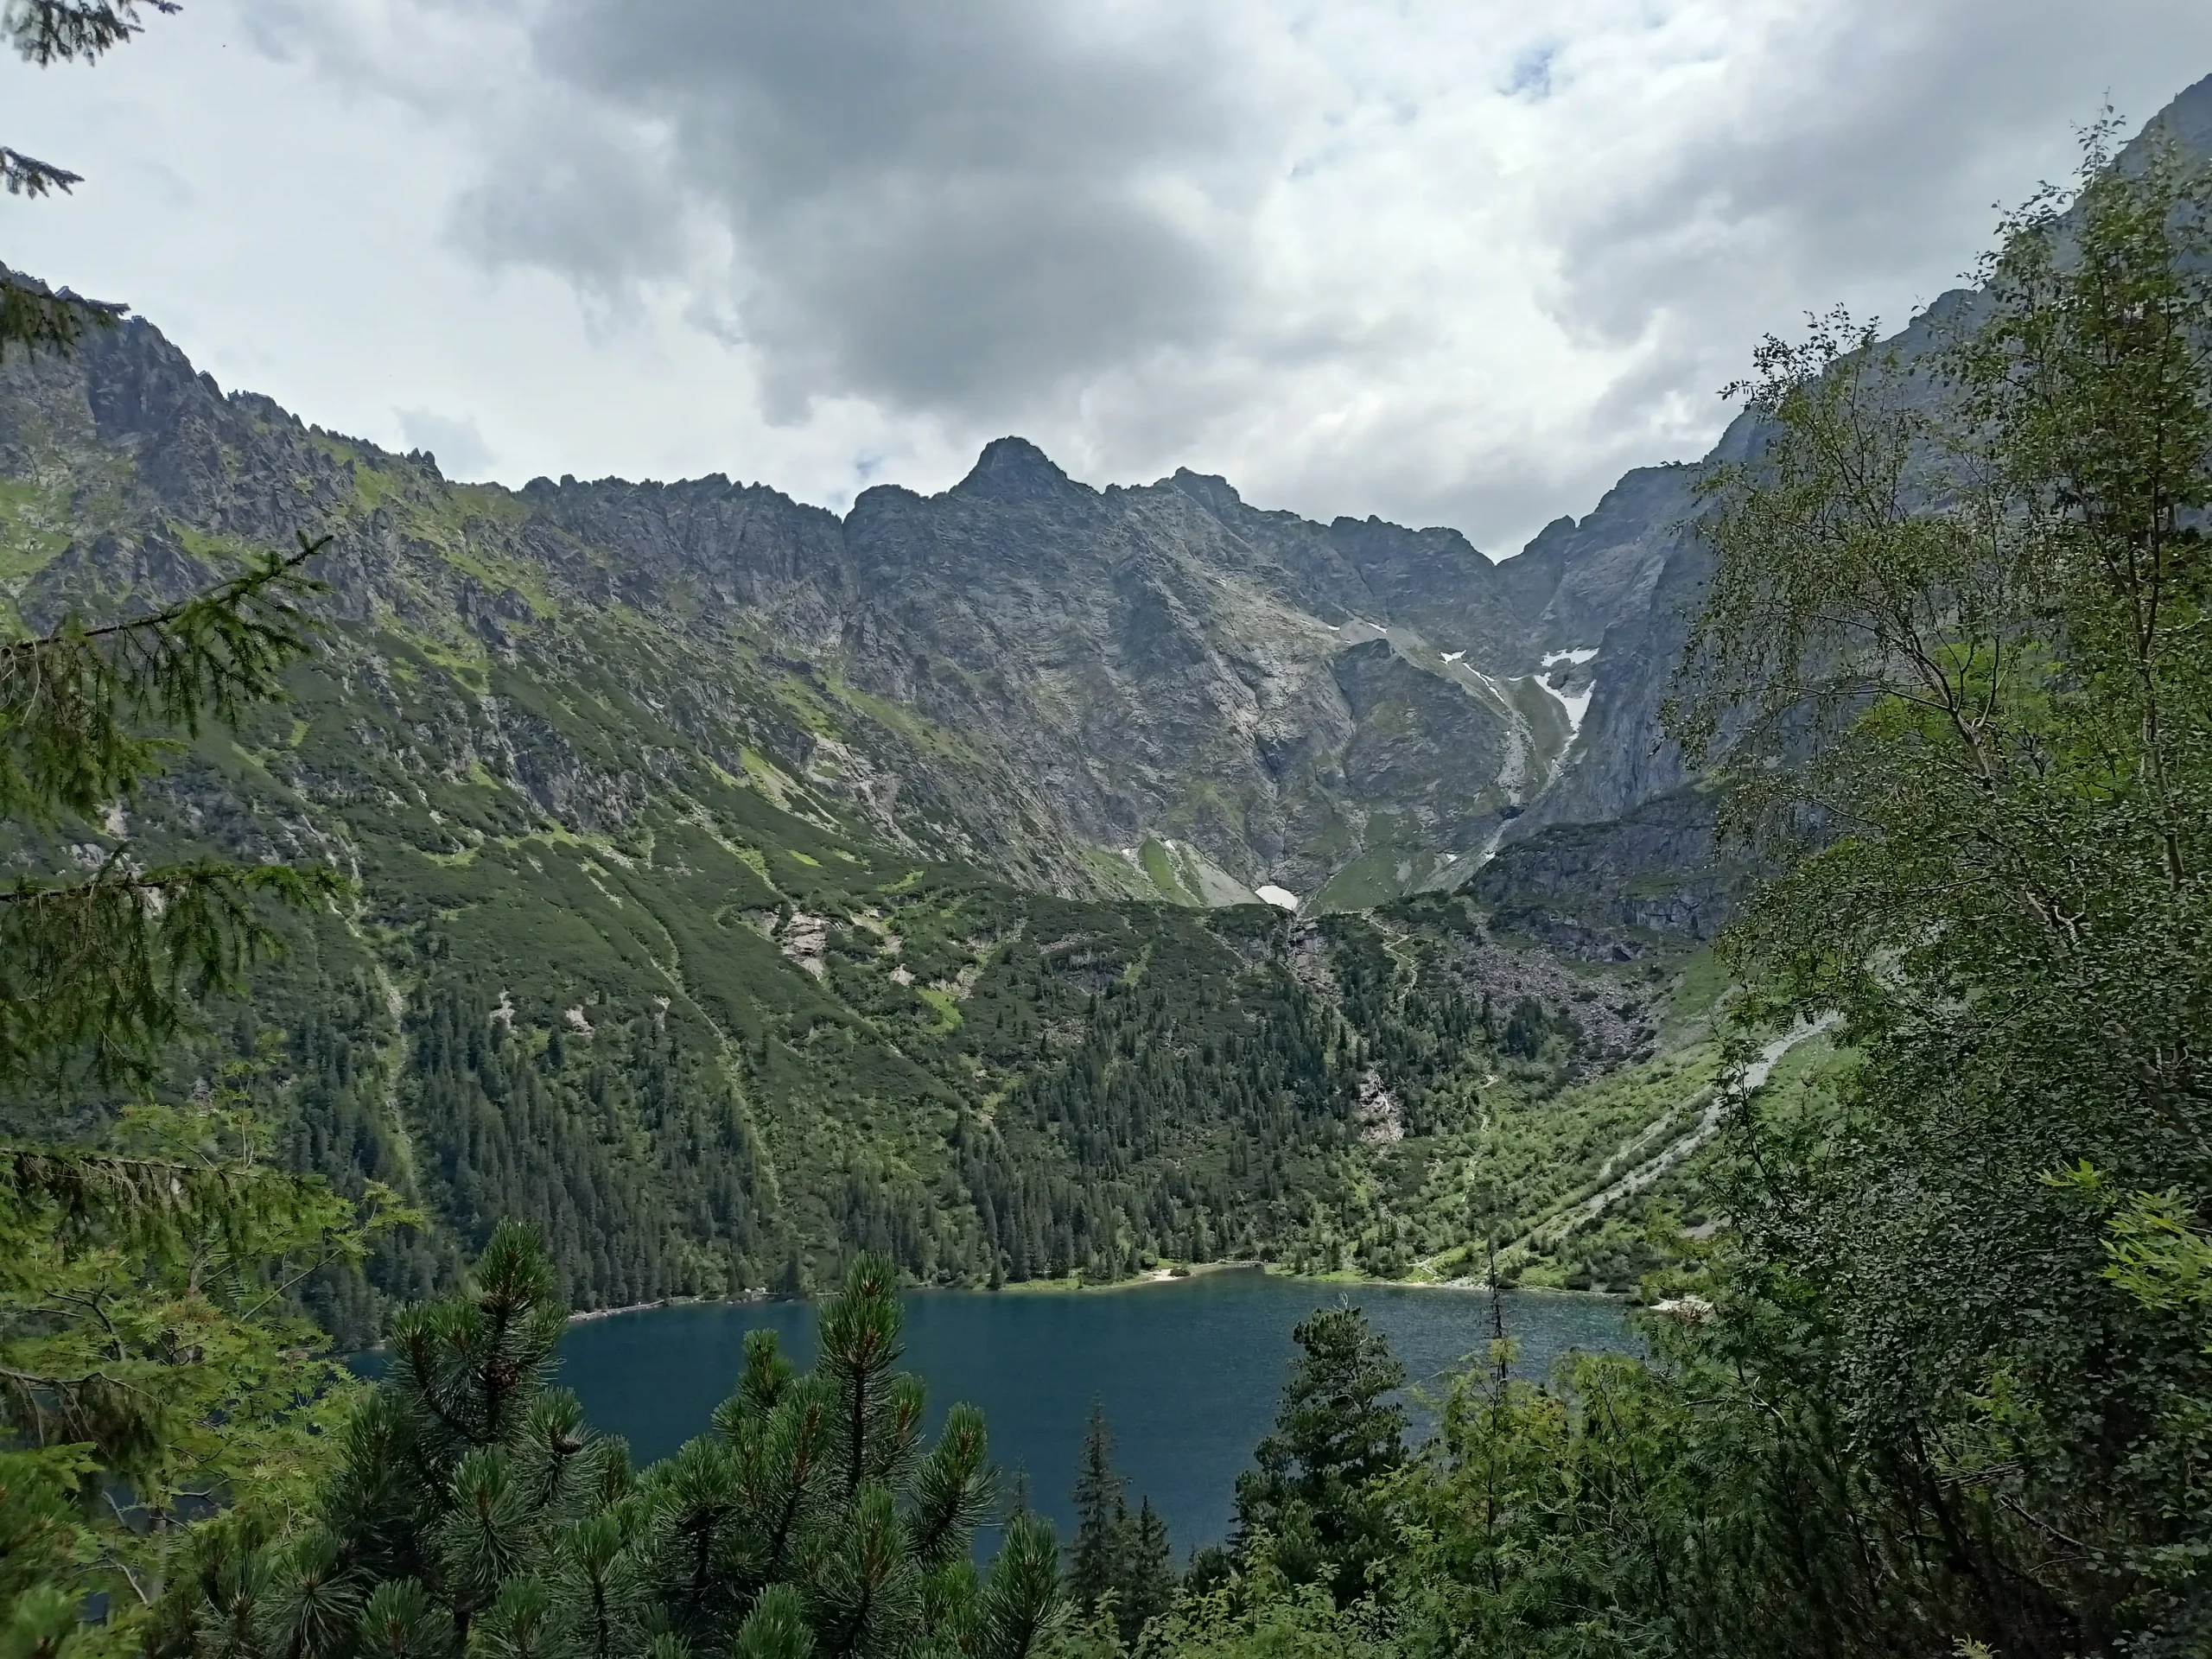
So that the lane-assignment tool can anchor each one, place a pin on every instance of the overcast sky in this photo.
(1452, 261)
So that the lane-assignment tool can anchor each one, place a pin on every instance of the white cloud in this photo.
(1457, 261)
(454, 442)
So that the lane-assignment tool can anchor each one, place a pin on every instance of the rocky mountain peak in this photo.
(1014, 469)
(1215, 494)
(2188, 118)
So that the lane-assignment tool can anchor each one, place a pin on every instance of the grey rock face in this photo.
(1605, 891)
(1421, 747)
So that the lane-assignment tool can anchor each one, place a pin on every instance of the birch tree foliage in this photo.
(1954, 662)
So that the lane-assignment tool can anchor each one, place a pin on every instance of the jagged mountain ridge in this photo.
(1022, 673)
(1158, 690)
(669, 802)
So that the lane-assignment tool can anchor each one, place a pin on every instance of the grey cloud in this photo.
(976, 295)
(1039, 215)
(1865, 171)
(951, 208)
(341, 44)
(586, 200)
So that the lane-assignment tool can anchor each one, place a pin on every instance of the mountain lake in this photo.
(1189, 1371)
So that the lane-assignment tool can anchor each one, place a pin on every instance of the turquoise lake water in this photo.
(1189, 1371)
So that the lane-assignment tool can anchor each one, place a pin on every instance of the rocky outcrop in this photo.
(1610, 890)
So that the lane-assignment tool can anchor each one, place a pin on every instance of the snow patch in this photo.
(1281, 897)
(1454, 656)
(1576, 704)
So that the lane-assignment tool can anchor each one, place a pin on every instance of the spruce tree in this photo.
(1102, 1517)
(1336, 1433)
(1148, 1573)
(1118, 1560)
(148, 1343)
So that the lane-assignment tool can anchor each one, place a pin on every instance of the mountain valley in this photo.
(737, 884)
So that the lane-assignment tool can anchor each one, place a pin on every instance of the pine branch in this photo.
(33, 315)
(99, 971)
(140, 1203)
(45, 32)
(70, 702)
(26, 176)
(69, 31)
(103, 968)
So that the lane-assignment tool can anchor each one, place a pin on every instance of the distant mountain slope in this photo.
(1022, 673)
(1638, 557)
(1158, 690)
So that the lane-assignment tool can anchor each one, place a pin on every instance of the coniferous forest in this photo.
(1903, 1167)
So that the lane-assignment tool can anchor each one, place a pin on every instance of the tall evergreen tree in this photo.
(148, 1343)
(1336, 1433)
(1147, 1588)
(1102, 1517)
(1117, 1558)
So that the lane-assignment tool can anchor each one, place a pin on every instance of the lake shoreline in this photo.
(1151, 1277)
